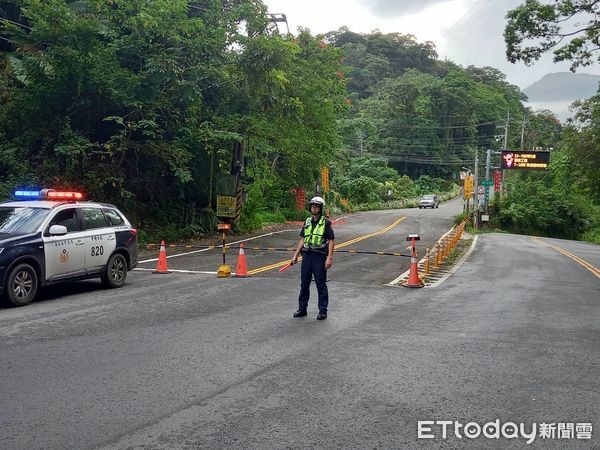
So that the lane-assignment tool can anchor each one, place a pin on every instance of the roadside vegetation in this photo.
(145, 104)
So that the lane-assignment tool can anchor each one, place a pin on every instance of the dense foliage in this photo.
(427, 117)
(565, 202)
(562, 202)
(138, 102)
(568, 28)
(150, 105)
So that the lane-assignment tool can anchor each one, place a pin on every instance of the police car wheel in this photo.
(22, 285)
(115, 272)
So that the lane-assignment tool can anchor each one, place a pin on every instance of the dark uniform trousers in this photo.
(313, 263)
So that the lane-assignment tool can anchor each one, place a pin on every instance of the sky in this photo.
(468, 32)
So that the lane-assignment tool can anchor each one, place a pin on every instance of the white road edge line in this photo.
(181, 271)
(339, 218)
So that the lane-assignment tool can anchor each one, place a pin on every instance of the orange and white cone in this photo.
(413, 277)
(161, 266)
(241, 270)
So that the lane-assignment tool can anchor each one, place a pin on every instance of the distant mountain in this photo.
(556, 92)
(563, 86)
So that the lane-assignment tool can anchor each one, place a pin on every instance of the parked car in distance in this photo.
(429, 201)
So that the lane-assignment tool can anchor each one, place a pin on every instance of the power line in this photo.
(413, 145)
(410, 140)
(437, 127)
(427, 162)
(4, 19)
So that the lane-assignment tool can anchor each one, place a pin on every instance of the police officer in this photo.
(316, 246)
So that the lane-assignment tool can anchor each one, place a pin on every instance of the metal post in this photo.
(444, 248)
(223, 248)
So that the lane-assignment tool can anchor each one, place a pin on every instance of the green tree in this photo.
(139, 102)
(570, 27)
(539, 206)
(426, 124)
(542, 129)
(291, 116)
(583, 147)
(375, 57)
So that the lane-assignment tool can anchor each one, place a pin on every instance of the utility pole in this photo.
(523, 133)
(361, 136)
(505, 144)
(488, 163)
(210, 177)
(476, 192)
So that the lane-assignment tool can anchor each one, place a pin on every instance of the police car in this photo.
(50, 236)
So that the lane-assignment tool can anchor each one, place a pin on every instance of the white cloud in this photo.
(468, 32)
(388, 8)
(321, 17)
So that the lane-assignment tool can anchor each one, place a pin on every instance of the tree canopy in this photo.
(138, 102)
(568, 28)
(147, 103)
(427, 117)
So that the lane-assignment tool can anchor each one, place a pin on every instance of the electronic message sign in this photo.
(525, 160)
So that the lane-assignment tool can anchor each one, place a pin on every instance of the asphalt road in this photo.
(192, 361)
(373, 231)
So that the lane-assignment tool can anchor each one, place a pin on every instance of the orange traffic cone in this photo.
(241, 271)
(161, 267)
(413, 277)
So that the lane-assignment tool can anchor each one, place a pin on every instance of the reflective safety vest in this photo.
(314, 236)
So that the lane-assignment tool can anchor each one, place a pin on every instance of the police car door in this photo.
(100, 239)
(64, 255)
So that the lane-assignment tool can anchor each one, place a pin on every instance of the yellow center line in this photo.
(575, 258)
(343, 244)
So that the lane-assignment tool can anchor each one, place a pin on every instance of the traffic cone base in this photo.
(414, 281)
(241, 271)
(161, 266)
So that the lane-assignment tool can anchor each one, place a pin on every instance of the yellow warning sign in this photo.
(325, 178)
(468, 187)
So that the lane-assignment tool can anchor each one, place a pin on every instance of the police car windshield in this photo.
(21, 220)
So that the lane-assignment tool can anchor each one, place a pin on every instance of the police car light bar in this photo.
(58, 195)
(29, 195)
(47, 194)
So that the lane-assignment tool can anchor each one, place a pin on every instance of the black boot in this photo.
(300, 313)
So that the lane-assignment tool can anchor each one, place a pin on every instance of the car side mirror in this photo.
(58, 230)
